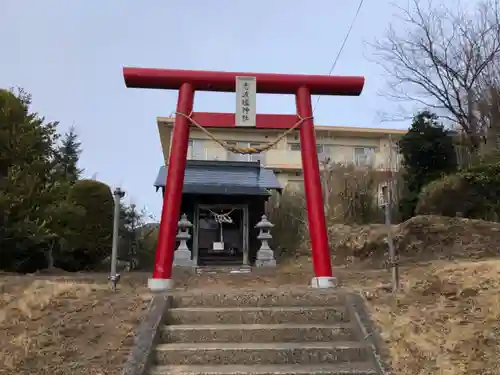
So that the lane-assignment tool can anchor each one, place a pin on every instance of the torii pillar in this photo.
(187, 82)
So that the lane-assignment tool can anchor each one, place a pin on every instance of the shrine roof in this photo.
(224, 178)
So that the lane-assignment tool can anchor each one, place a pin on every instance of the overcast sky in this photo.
(69, 55)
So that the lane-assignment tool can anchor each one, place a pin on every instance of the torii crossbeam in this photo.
(187, 82)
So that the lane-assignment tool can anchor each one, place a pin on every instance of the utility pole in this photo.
(114, 277)
(387, 204)
(390, 242)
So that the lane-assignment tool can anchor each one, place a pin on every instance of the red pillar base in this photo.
(160, 285)
(324, 282)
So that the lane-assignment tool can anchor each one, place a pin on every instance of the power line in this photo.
(342, 46)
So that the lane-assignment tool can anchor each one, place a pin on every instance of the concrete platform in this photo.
(264, 333)
(257, 315)
(259, 353)
(361, 368)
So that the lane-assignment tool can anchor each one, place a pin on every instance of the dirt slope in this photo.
(61, 325)
(421, 238)
(445, 321)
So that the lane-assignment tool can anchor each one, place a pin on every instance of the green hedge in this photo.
(93, 230)
(472, 193)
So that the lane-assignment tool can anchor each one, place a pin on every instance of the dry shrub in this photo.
(352, 194)
(419, 239)
(448, 196)
(351, 197)
(445, 321)
(288, 214)
(62, 326)
(357, 242)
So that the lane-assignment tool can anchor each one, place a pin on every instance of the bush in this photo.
(422, 238)
(94, 230)
(351, 198)
(445, 197)
(288, 214)
(351, 194)
(473, 193)
(137, 240)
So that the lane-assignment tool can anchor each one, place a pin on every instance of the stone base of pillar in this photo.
(265, 263)
(324, 282)
(265, 258)
(182, 258)
(160, 285)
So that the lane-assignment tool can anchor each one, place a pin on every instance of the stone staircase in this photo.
(264, 333)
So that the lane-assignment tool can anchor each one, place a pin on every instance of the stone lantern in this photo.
(182, 255)
(265, 255)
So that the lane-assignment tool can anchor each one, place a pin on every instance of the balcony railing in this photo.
(292, 159)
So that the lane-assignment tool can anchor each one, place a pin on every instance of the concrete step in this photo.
(223, 270)
(257, 315)
(306, 297)
(260, 353)
(258, 333)
(361, 368)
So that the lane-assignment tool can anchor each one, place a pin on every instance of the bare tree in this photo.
(444, 58)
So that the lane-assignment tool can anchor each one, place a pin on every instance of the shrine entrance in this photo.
(221, 235)
(246, 86)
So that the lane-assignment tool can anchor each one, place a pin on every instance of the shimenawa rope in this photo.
(223, 217)
(244, 150)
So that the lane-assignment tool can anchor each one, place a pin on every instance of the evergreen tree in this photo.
(428, 152)
(27, 187)
(68, 155)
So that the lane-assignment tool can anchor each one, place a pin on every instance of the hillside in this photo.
(443, 321)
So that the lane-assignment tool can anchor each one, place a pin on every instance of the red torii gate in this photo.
(187, 82)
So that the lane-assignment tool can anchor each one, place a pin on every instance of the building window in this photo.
(293, 185)
(324, 149)
(320, 149)
(197, 149)
(325, 154)
(255, 157)
(395, 156)
(323, 136)
(363, 156)
(232, 156)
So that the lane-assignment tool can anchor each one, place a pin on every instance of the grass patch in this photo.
(63, 326)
